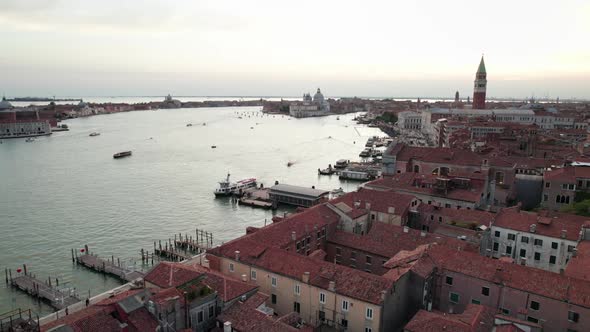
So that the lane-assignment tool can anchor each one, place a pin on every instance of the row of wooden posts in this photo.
(177, 249)
(8, 273)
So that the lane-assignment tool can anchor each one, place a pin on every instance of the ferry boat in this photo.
(227, 188)
(341, 163)
(122, 154)
(366, 153)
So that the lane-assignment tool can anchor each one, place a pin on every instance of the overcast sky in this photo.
(273, 48)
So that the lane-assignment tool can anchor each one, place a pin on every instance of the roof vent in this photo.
(533, 228)
(237, 252)
(423, 234)
(332, 286)
(293, 236)
(227, 327)
(563, 233)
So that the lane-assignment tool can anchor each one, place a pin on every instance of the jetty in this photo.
(184, 247)
(105, 266)
(19, 320)
(43, 290)
(256, 197)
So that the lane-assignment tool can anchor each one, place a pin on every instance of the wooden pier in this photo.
(183, 247)
(105, 266)
(19, 320)
(43, 290)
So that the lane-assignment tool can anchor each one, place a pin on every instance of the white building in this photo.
(546, 240)
(309, 107)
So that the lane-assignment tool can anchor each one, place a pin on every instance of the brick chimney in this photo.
(244, 278)
(227, 327)
(293, 236)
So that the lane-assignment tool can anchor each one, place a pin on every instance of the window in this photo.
(369, 314)
(496, 245)
(571, 248)
(439, 219)
(524, 239)
(368, 329)
(497, 233)
(448, 206)
(431, 217)
(322, 298)
(344, 323)
(297, 289)
(353, 255)
(474, 301)
(532, 319)
(253, 274)
(554, 245)
(449, 280)
(573, 316)
(552, 259)
(485, 291)
(537, 256)
(297, 307)
(338, 251)
(545, 197)
(200, 317)
(345, 305)
(454, 297)
(369, 260)
(273, 298)
(538, 242)
(508, 250)
(535, 305)
(211, 311)
(505, 311)
(522, 253)
(273, 281)
(511, 236)
(322, 316)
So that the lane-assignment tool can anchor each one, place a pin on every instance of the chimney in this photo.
(332, 286)
(383, 295)
(205, 263)
(293, 236)
(357, 204)
(305, 277)
(367, 205)
(563, 233)
(406, 229)
(237, 255)
(244, 278)
(227, 327)
(423, 234)
(532, 228)
(391, 210)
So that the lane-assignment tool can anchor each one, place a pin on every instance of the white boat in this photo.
(227, 188)
(30, 139)
(94, 134)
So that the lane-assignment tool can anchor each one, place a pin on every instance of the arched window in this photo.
(557, 198)
(567, 200)
(416, 169)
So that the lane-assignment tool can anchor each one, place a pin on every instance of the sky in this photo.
(419, 48)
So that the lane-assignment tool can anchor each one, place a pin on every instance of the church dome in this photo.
(4, 104)
(318, 97)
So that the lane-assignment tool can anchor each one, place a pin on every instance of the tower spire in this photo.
(482, 66)
(479, 86)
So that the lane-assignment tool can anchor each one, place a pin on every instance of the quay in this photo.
(257, 197)
(97, 264)
(28, 283)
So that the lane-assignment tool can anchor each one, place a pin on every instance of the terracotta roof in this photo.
(567, 174)
(515, 276)
(388, 240)
(547, 223)
(474, 318)
(168, 274)
(91, 319)
(379, 201)
(451, 156)
(142, 320)
(462, 215)
(411, 183)
(244, 317)
(121, 296)
(579, 266)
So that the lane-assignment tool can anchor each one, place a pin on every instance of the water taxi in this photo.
(122, 154)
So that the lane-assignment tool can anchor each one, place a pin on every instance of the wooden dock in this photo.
(105, 266)
(19, 320)
(44, 290)
(183, 247)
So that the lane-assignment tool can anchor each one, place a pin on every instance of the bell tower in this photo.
(479, 87)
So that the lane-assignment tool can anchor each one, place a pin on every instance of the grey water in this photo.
(65, 190)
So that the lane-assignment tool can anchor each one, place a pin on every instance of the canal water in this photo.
(66, 190)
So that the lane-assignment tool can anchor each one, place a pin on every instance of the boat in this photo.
(94, 134)
(291, 163)
(122, 154)
(227, 188)
(327, 171)
(30, 139)
(213, 146)
(189, 124)
(366, 153)
(341, 163)
(337, 118)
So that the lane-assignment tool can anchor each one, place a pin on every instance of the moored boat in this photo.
(122, 154)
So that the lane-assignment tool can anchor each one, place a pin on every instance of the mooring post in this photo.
(6, 272)
(86, 250)
(56, 282)
(118, 262)
(10, 274)
(25, 268)
(73, 255)
(154, 245)
(103, 266)
(49, 281)
(142, 257)
(153, 257)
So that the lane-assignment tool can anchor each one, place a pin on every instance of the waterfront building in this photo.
(310, 107)
(16, 123)
(479, 87)
(296, 195)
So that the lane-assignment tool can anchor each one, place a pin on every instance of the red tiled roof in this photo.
(579, 266)
(91, 319)
(121, 296)
(449, 156)
(245, 317)
(474, 318)
(515, 276)
(379, 201)
(462, 215)
(142, 320)
(409, 183)
(166, 274)
(567, 173)
(547, 223)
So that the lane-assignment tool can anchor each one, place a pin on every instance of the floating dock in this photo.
(105, 266)
(44, 290)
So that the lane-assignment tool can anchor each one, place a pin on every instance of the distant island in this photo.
(38, 99)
